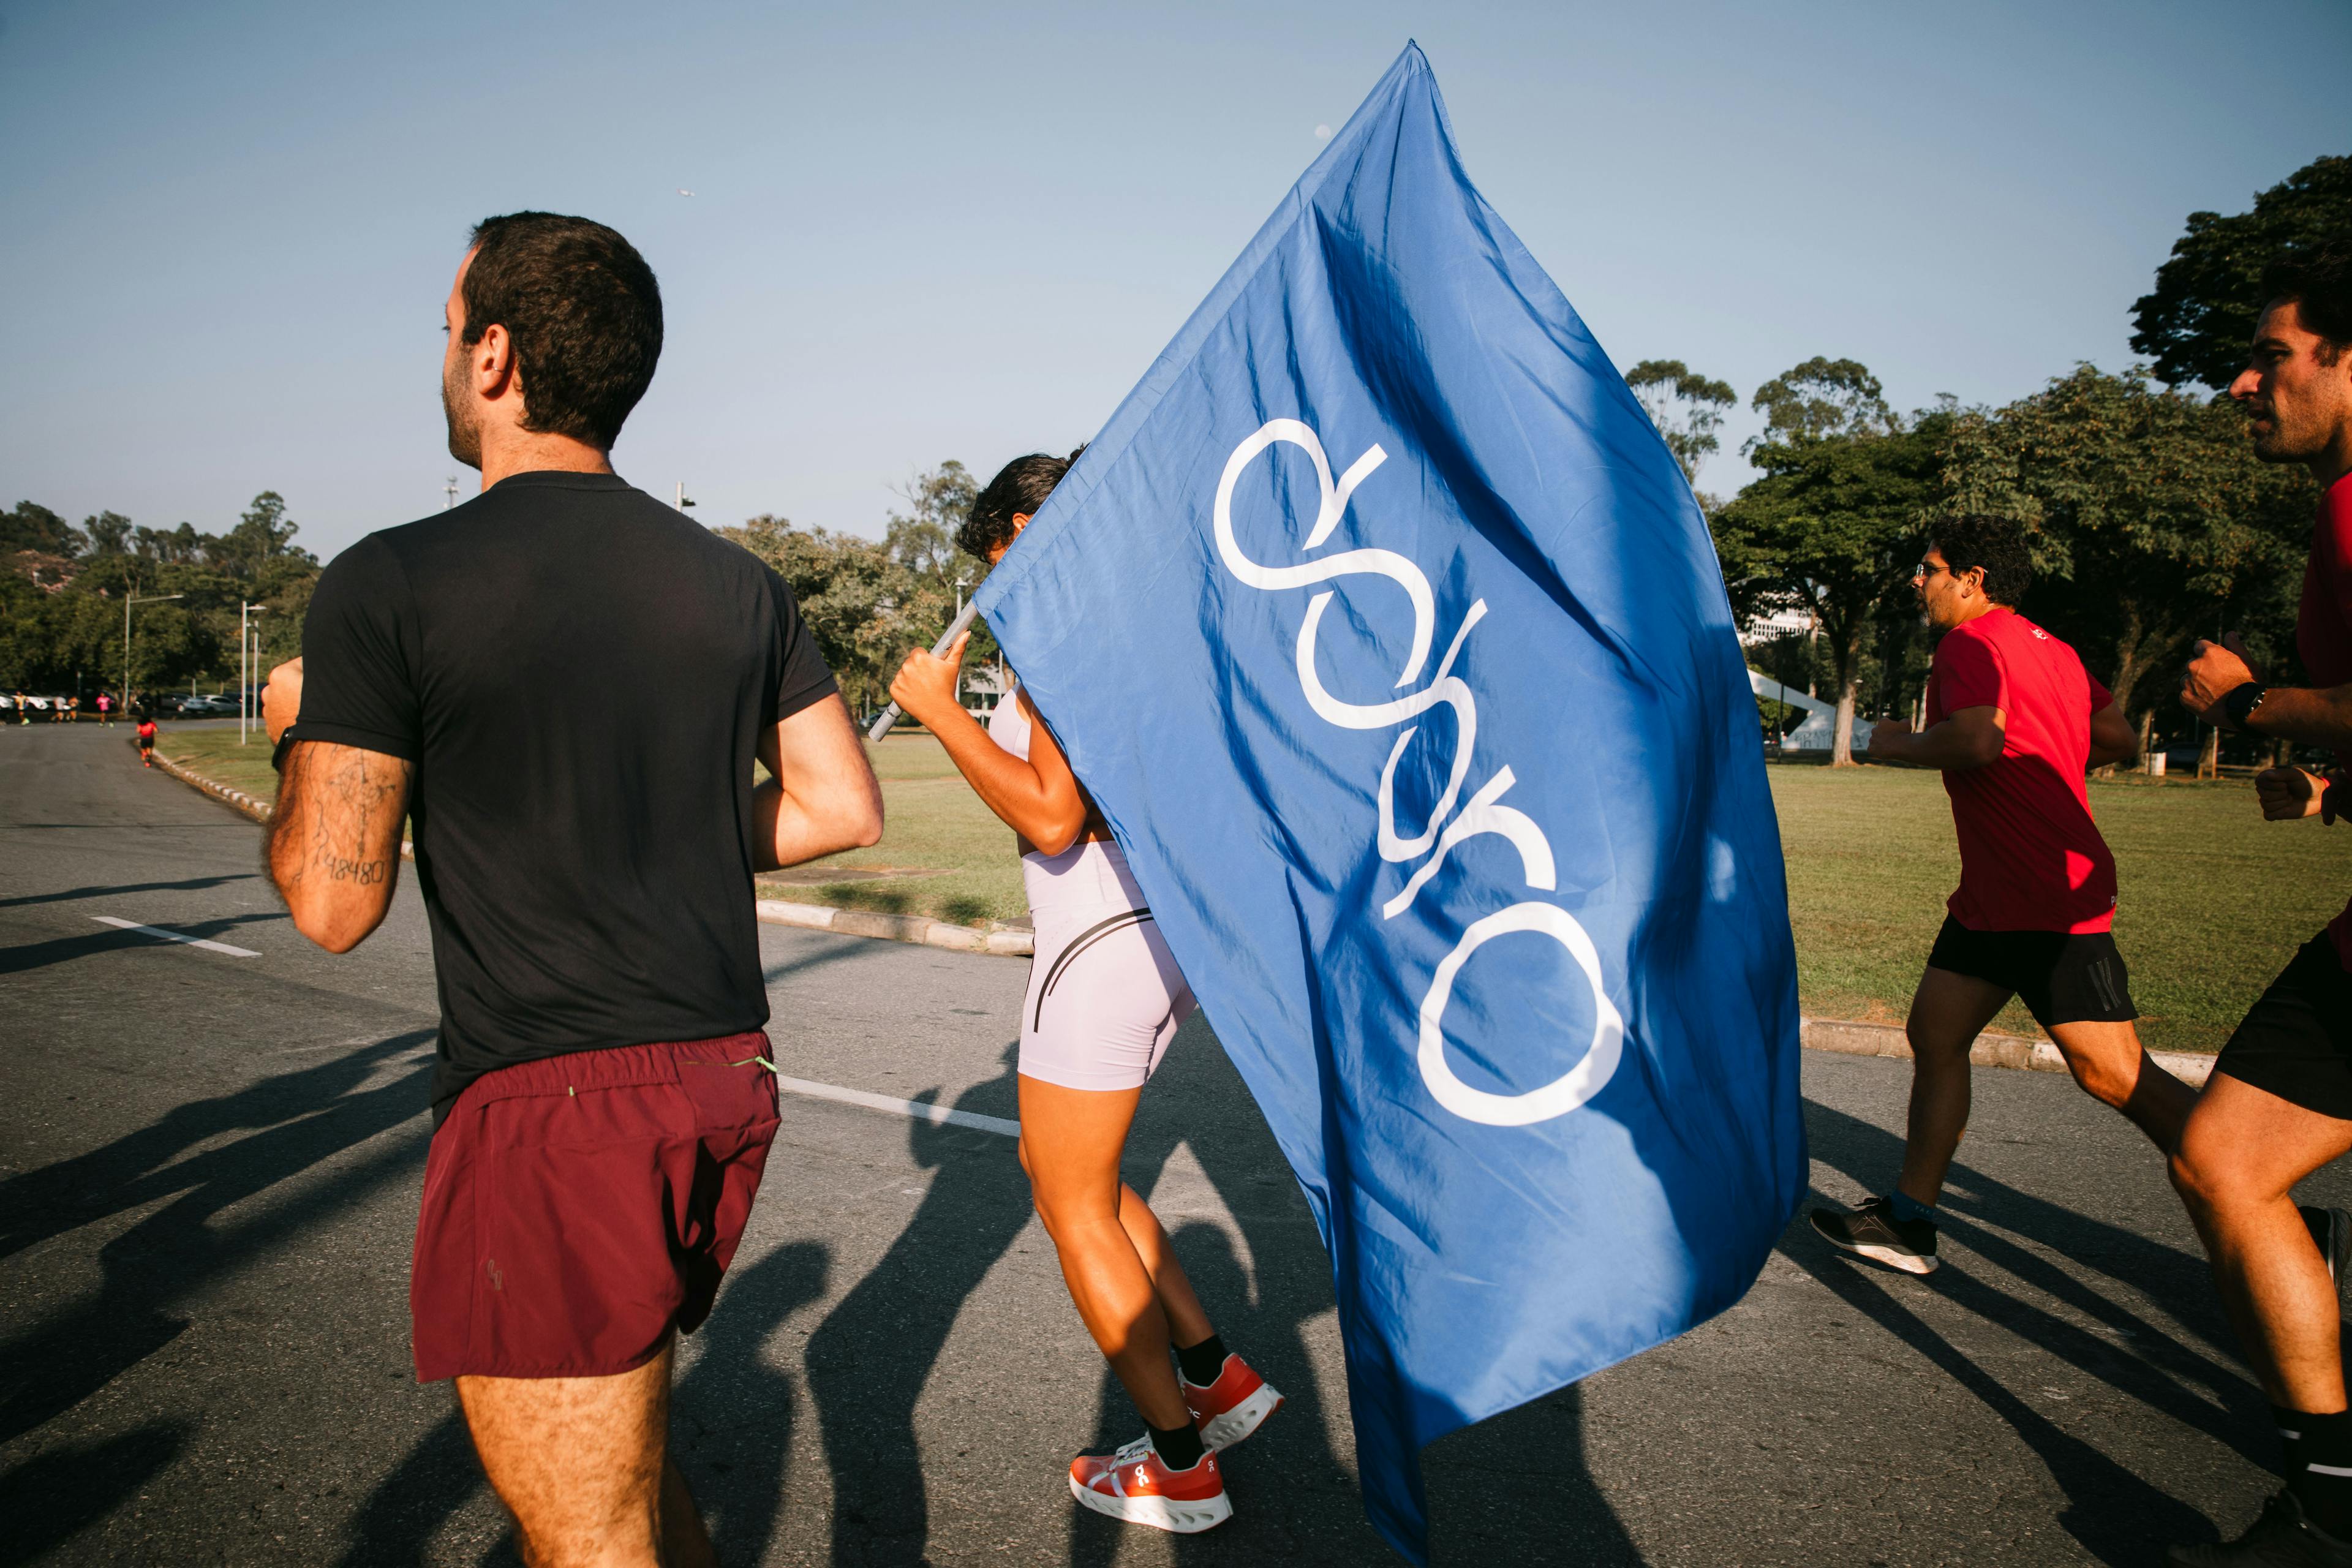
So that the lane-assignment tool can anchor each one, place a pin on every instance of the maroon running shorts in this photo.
(579, 1209)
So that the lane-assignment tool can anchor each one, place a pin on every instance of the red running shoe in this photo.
(1134, 1485)
(1233, 1406)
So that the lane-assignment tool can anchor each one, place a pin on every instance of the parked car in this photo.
(219, 705)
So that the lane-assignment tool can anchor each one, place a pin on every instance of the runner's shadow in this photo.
(66, 949)
(731, 1416)
(153, 1273)
(1263, 1282)
(868, 1362)
(2115, 1516)
(2158, 1369)
(73, 893)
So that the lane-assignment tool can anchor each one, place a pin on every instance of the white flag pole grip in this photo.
(889, 716)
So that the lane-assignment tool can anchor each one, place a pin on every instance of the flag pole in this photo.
(889, 716)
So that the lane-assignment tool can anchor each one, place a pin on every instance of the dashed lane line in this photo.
(937, 1115)
(177, 936)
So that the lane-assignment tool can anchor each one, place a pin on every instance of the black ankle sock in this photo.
(2290, 1430)
(2322, 1476)
(1178, 1448)
(1201, 1364)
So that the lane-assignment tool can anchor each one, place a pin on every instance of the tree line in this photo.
(61, 599)
(2149, 519)
(2151, 523)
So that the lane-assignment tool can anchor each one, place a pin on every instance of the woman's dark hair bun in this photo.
(1019, 488)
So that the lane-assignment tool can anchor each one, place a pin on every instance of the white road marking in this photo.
(177, 936)
(937, 1115)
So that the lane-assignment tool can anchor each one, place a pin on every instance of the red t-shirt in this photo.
(2031, 856)
(2323, 629)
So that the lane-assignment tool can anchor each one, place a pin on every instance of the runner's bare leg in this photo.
(582, 1465)
(2244, 1150)
(1948, 1013)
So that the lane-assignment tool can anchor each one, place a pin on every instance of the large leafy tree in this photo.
(2200, 316)
(1834, 525)
(922, 538)
(1686, 407)
(34, 527)
(2151, 521)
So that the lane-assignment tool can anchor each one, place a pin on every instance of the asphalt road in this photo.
(209, 1175)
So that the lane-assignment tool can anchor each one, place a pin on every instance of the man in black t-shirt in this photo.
(504, 674)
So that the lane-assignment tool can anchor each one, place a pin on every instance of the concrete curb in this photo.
(1004, 941)
(1840, 1035)
(236, 799)
(1853, 1039)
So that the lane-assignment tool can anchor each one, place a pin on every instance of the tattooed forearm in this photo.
(333, 844)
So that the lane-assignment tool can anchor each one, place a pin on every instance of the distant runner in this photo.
(2013, 720)
(105, 709)
(146, 742)
(1105, 999)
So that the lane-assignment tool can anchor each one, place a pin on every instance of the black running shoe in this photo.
(1873, 1231)
(2281, 1537)
(2331, 1230)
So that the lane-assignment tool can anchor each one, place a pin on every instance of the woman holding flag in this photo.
(1104, 998)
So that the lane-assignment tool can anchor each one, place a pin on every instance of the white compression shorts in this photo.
(1105, 994)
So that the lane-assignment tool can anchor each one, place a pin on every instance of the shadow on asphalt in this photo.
(66, 949)
(867, 1364)
(288, 1124)
(2115, 1516)
(72, 893)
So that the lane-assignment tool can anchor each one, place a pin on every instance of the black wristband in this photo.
(2240, 700)
(278, 753)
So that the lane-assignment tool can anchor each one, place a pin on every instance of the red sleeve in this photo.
(2336, 546)
(2101, 697)
(1969, 674)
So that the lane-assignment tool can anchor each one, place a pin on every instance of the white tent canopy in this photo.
(1821, 717)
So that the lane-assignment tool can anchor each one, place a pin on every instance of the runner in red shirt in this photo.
(146, 740)
(2279, 1105)
(2013, 720)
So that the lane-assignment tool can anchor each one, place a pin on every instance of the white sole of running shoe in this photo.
(1910, 1262)
(1242, 1419)
(1174, 1514)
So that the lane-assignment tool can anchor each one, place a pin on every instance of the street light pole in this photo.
(128, 600)
(450, 490)
(246, 633)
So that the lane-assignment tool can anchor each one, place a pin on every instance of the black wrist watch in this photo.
(2240, 701)
(278, 753)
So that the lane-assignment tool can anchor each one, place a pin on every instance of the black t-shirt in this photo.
(580, 675)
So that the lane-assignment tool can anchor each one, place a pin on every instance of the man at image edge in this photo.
(502, 674)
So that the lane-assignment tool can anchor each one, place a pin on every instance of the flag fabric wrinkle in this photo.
(1385, 632)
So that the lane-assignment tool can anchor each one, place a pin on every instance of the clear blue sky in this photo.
(921, 232)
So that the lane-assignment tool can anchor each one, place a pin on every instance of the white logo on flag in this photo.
(1483, 813)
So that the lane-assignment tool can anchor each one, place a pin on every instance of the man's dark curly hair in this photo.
(584, 311)
(2318, 279)
(1019, 488)
(1969, 540)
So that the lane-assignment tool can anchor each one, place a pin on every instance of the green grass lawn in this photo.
(214, 753)
(2213, 897)
(2212, 900)
(933, 825)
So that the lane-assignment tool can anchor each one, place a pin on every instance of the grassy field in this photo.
(214, 753)
(2213, 899)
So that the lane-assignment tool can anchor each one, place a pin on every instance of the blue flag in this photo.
(1388, 636)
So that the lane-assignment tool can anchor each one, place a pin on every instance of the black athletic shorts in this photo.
(2296, 1039)
(2063, 977)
